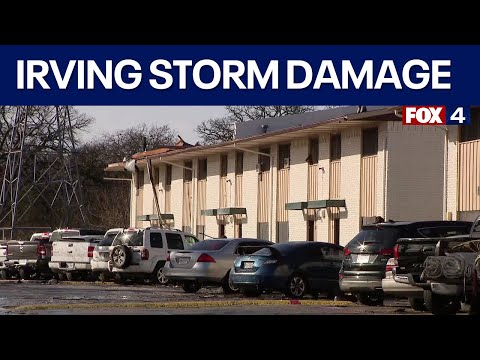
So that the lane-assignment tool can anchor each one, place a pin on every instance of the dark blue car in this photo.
(294, 268)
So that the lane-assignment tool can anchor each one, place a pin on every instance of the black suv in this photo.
(366, 255)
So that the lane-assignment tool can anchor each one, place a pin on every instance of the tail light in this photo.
(346, 252)
(205, 258)
(41, 250)
(90, 251)
(144, 254)
(395, 252)
(391, 264)
(340, 276)
(386, 252)
(168, 257)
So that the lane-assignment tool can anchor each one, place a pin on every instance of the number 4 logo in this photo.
(458, 115)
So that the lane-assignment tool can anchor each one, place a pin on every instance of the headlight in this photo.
(270, 261)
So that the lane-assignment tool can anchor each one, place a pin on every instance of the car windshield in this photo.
(209, 245)
(129, 239)
(383, 236)
(58, 235)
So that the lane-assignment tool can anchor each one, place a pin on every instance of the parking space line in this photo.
(181, 304)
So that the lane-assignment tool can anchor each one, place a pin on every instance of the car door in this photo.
(157, 247)
(313, 266)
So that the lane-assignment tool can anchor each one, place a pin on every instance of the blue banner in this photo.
(239, 75)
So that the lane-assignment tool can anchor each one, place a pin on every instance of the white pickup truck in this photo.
(71, 256)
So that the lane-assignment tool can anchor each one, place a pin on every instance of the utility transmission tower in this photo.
(40, 166)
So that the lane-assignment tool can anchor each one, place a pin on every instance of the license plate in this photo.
(183, 260)
(248, 265)
(363, 259)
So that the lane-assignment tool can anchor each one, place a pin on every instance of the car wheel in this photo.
(119, 279)
(371, 299)
(297, 286)
(71, 276)
(474, 307)
(417, 304)
(22, 273)
(4, 274)
(120, 256)
(251, 292)
(440, 305)
(158, 277)
(228, 286)
(191, 287)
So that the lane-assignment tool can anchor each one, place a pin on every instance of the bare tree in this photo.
(222, 129)
(216, 130)
(107, 203)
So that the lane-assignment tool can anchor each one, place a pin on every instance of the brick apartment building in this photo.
(315, 176)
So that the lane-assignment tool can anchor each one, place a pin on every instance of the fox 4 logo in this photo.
(434, 115)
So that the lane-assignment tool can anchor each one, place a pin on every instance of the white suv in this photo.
(142, 253)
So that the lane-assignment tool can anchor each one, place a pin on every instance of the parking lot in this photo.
(44, 297)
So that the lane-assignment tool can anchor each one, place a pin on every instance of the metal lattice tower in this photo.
(30, 174)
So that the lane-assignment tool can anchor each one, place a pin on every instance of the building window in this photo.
(264, 160)
(223, 165)
(239, 163)
(312, 158)
(283, 156)
(202, 169)
(187, 174)
(168, 175)
(221, 231)
(310, 230)
(471, 132)
(335, 147)
(369, 142)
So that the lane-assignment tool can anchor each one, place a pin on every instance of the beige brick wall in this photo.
(133, 200)
(250, 188)
(323, 183)
(213, 193)
(177, 195)
(298, 188)
(415, 172)
(452, 171)
(382, 165)
(229, 227)
(350, 184)
(161, 186)
(272, 216)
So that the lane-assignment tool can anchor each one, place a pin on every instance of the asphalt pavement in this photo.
(46, 297)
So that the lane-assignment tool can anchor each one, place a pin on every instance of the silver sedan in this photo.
(209, 262)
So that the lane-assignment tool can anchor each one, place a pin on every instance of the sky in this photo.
(183, 119)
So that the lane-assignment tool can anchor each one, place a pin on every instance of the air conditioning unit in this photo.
(286, 163)
(258, 167)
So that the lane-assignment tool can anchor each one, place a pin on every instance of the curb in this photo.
(181, 304)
